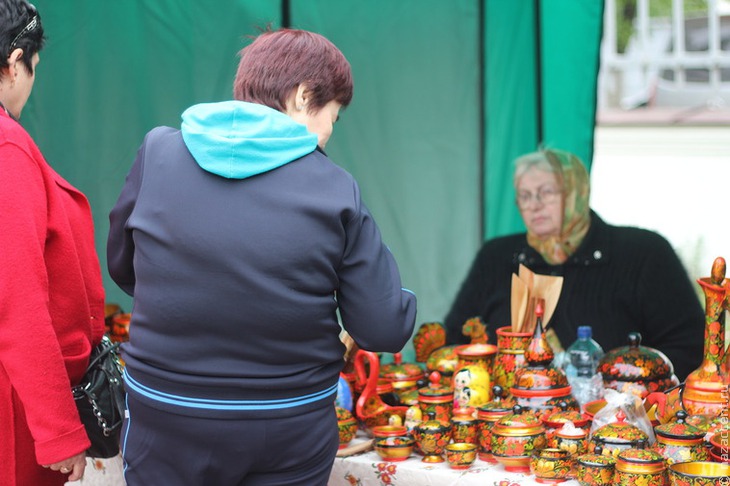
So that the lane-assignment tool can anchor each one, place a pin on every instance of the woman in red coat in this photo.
(51, 294)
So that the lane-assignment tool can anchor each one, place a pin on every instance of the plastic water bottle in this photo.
(580, 363)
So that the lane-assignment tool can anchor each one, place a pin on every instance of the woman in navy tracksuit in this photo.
(240, 241)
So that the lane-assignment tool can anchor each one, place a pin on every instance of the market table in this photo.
(368, 469)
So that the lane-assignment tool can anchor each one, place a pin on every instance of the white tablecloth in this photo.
(368, 469)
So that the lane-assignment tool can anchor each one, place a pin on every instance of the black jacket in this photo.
(621, 279)
(237, 282)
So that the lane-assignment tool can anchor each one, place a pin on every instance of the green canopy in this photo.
(447, 93)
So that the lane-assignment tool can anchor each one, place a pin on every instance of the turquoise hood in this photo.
(236, 140)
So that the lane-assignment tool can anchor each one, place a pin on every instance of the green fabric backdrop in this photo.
(446, 95)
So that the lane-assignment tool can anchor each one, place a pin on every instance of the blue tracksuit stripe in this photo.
(213, 404)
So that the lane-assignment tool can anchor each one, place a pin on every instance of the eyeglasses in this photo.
(545, 195)
(30, 26)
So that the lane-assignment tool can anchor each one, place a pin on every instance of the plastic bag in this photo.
(632, 407)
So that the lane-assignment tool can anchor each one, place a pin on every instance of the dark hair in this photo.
(20, 28)
(278, 61)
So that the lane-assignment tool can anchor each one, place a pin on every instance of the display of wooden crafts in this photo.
(637, 369)
(540, 386)
(370, 409)
(705, 390)
(429, 343)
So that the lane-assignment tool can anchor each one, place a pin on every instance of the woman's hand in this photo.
(73, 466)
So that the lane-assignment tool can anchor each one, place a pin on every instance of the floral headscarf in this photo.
(573, 180)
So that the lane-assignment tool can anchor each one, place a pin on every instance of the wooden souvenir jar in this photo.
(487, 416)
(515, 437)
(436, 398)
(481, 355)
(464, 425)
(405, 378)
(637, 369)
(680, 442)
(346, 425)
(594, 469)
(640, 466)
(556, 420)
(571, 439)
(432, 436)
(510, 356)
(540, 386)
(617, 436)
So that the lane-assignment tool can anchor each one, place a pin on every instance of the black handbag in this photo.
(100, 400)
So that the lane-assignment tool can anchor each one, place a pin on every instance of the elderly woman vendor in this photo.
(615, 279)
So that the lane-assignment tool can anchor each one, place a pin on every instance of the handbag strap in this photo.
(105, 347)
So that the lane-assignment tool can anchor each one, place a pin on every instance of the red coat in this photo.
(51, 307)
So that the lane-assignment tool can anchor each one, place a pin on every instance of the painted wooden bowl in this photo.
(389, 431)
(700, 473)
(550, 465)
(394, 448)
(720, 446)
(461, 455)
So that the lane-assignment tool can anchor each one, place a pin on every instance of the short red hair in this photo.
(276, 62)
